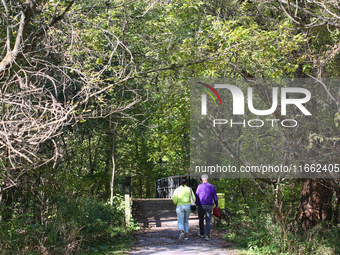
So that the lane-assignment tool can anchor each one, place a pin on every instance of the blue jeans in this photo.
(204, 210)
(183, 212)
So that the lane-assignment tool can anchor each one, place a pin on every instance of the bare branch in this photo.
(52, 23)
(26, 15)
(319, 17)
(325, 88)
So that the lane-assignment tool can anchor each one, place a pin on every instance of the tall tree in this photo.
(49, 79)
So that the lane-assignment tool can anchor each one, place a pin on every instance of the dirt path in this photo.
(159, 232)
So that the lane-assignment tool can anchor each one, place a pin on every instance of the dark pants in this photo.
(204, 210)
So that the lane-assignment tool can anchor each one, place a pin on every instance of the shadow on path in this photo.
(159, 233)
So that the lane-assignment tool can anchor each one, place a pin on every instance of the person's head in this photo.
(183, 181)
(204, 178)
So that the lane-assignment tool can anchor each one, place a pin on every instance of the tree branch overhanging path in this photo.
(41, 90)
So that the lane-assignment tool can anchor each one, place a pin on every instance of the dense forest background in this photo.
(94, 94)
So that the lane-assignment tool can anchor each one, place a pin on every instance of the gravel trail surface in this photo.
(159, 233)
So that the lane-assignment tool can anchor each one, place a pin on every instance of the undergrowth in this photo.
(70, 226)
(256, 232)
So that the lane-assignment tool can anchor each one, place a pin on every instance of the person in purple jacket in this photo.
(205, 196)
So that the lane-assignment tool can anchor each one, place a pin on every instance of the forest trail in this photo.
(159, 233)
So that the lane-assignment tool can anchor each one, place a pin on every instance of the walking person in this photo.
(181, 199)
(205, 196)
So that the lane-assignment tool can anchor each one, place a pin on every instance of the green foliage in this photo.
(258, 227)
(149, 53)
(264, 235)
(79, 226)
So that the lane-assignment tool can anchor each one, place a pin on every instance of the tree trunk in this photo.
(107, 167)
(91, 162)
(1, 201)
(336, 212)
(140, 190)
(316, 201)
(113, 167)
(148, 188)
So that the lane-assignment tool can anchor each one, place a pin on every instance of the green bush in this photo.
(76, 226)
(261, 234)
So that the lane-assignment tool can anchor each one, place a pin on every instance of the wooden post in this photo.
(127, 209)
